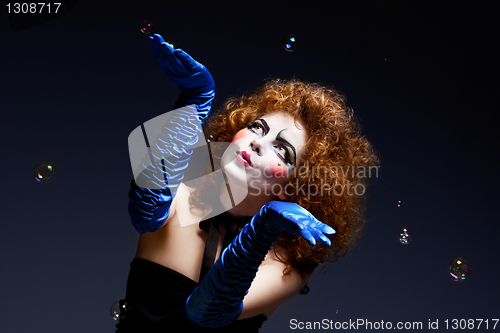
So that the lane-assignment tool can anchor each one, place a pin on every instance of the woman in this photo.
(291, 145)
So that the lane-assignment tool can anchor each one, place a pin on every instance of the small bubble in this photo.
(44, 172)
(147, 27)
(118, 309)
(459, 269)
(404, 236)
(399, 203)
(290, 43)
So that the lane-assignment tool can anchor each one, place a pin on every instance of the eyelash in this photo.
(253, 127)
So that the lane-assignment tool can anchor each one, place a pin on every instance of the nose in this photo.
(256, 145)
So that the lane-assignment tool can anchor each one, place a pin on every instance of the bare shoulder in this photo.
(181, 205)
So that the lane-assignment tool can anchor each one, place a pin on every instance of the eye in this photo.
(283, 154)
(257, 128)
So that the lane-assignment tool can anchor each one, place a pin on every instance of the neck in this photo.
(247, 206)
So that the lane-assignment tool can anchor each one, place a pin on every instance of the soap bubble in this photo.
(399, 203)
(459, 269)
(118, 309)
(44, 172)
(147, 27)
(404, 236)
(290, 43)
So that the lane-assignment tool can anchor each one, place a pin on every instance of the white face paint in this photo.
(263, 155)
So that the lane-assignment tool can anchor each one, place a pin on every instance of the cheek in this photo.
(242, 134)
(278, 170)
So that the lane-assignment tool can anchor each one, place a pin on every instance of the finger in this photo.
(320, 237)
(158, 37)
(325, 240)
(308, 236)
(156, 41)
(164, 54)
(326, 229)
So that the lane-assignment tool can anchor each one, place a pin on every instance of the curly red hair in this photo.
(335, 146)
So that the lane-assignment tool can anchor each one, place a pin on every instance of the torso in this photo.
(175, 245)
(180, 244)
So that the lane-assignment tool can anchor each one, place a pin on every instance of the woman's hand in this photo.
(196, 84)
(297, 221)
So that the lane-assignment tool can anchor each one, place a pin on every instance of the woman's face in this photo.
(263, 156)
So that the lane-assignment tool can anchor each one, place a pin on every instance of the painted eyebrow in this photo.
(265, 124)
(286, 143)
(280, 138)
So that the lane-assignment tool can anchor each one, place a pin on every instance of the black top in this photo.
(156, 295)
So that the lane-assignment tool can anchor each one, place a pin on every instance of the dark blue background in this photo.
(420, 75)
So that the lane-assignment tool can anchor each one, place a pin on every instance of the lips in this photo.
(246, 157)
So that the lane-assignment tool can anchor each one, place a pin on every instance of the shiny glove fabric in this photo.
(154, 189)
(218, 300)
(196, 84)
(163, 170)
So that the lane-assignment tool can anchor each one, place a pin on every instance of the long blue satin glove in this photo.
(196, 84)
(218, 300)
(151, 195)
(162, 169)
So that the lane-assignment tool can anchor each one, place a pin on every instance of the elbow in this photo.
(211, 317)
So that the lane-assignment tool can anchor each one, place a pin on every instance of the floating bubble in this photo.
(399, 203)
(404, 236)
(290, 43)
(118, 309)
(147, 27)
(44, 172)
(459, 269)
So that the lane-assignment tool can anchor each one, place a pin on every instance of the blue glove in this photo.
(162, 169)
(151, 195)
(194, 80)
(218, 300)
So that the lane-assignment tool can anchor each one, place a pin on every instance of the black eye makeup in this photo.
(287, 147)
(285, 151)
(259, 126)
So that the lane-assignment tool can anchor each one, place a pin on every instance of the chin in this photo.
(235, 174)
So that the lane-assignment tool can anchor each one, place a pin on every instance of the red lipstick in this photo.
(246, 156)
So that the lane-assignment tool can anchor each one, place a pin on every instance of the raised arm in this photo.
(160, 150)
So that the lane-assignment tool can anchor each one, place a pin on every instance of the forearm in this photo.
(218, 300)
(162, 168)
(202, 100)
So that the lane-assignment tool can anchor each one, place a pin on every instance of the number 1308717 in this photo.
(33, 7)
(471, 324)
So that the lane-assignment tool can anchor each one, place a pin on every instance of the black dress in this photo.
(156, 295)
